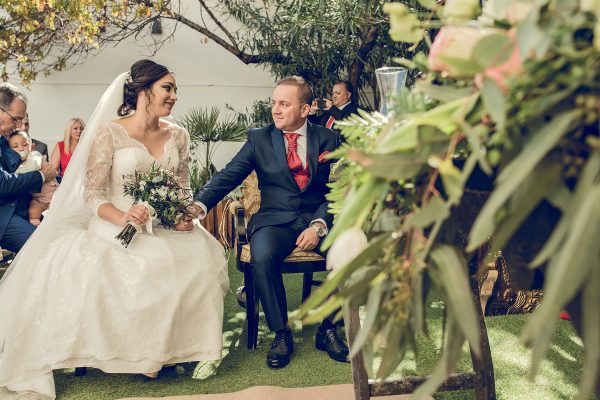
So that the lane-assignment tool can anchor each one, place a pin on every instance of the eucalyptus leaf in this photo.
(371, 314)
(435, 210)
(357, 208)
(397, 166)
(565, 274)
(516, 172)
(545, 178)
(333, 281)
(446, 364)
(586, 180)
(452, 269)
(492, 50)
(494, 102)
(591, 334)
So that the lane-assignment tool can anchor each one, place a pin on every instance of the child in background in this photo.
(31, 160)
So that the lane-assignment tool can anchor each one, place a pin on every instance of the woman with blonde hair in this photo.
(61, 154)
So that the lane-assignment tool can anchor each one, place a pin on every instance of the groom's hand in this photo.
(308, 239)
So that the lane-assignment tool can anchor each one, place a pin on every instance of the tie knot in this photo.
(292, 138)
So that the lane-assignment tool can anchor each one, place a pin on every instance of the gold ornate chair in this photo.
(306, 262)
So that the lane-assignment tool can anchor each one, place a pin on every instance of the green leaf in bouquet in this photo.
(333, 281)
(402, 138)
(462, 68)
(395, 348)
(429, 4)
(371, 316)
(452, 269)
(431, 140)
(565, 274)
(357, 207)
(397, 166)
(452, 179)
(494, 102)
(544, 179)
(531, 38)
(324, 310)
(586, 180)
(446, 364)
(443, 93)
(492, 50)
(435, 210)
(591, 333)
(404, 24)
(405, 62)
(512, 177)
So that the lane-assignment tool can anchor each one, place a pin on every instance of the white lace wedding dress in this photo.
(92, 302)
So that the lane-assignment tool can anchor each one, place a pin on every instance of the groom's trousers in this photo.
(270, 245)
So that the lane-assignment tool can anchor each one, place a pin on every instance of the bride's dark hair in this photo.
(142, 75)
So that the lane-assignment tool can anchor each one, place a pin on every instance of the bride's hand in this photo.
(185, 225)
(195, 210)
(136, 214)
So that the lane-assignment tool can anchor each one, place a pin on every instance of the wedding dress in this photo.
(88, 301)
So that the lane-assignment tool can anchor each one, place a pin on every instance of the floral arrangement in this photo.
(510, 92)
(161, 191)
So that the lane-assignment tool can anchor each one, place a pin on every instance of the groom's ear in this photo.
(305, 110)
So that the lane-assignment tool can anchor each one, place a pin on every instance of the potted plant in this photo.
(515, 94)
(208, 129)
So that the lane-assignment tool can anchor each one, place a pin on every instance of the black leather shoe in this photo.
(329, 341)
(281, 350)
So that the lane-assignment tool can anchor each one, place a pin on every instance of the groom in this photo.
(292, 178)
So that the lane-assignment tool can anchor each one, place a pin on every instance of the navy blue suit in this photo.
(15, 196)
(285, 210)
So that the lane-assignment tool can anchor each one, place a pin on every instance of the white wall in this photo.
(207, 75)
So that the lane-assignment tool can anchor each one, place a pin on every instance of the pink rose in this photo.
(453, 42)
(500, 73)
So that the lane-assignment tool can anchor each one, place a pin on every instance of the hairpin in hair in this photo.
(129, 79)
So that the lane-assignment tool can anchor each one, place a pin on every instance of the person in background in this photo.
(31, 160)
(16, 189)
(341, 105)
(38, 146)
(61, 154)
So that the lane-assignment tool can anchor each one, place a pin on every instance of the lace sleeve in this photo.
(98, 169)
(184, 157)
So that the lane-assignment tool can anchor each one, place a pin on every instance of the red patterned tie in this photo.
(329, 122)
(301, 175)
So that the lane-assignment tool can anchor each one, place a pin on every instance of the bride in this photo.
(74, 296)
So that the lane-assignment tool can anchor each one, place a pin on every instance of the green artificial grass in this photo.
(242, 368)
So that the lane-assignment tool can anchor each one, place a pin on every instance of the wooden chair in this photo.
(481, 379)
(297, 262)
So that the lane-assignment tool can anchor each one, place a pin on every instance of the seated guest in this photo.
(31, 160)
(61, 154)
(38, 146)
(338, 108)
(16, 189)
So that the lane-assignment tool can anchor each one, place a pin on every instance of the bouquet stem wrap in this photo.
(127, 234)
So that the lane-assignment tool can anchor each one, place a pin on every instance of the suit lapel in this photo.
(312, 151)
(279, 150)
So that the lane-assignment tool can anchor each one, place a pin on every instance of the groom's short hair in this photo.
(305, 92)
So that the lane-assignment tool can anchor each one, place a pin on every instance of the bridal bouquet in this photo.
(161, 191)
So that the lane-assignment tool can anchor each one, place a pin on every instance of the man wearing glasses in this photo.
(15, 189)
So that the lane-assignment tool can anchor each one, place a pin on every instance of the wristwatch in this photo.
(320, 229)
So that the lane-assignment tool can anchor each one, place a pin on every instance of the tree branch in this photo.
(233, 49)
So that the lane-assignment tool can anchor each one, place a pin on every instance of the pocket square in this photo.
(322, 158)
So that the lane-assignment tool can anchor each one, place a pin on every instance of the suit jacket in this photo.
(337, 114)
(282, 201)
(15, 189)
(41, 147)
